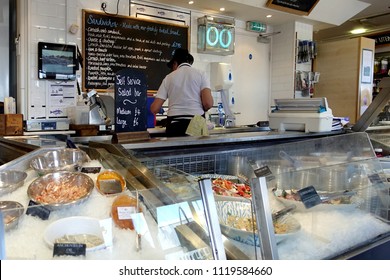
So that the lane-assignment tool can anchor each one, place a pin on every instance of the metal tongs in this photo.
(336, 195)
(283, 212)
(297, 164)
(138, 245)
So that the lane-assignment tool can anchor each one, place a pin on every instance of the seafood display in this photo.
(327, 198)
(76, 229)
(12, 211)
(90, 240)
(110, 182)
(238, 222)
(249, 224)
(226, 187)
(122, 209)
(60, 188)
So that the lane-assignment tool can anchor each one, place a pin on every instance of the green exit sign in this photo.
(255, 26)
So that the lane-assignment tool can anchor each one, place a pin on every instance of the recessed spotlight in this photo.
(222, 9)
(358, 31)
(269, 16)
(190, 2)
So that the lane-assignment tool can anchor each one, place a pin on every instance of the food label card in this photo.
(91, 169)
(38, 211)
(124, 213)
(309, 197)
(262, 171)
(69, 249)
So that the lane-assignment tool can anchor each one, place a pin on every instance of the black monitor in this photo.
(57, 61)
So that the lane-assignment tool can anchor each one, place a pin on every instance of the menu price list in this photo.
(112, 43)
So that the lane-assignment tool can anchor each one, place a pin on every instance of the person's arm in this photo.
(207, 99)
(156, 105)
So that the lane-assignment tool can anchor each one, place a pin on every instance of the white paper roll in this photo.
(9, 105)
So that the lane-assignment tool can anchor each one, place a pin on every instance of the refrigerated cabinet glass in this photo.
(175, 221)
(163, 216)
(352, 214)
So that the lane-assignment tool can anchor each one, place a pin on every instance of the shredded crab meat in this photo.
(60, 192)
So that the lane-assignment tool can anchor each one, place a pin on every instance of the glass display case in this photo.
(105, 207)
(347, 180)
(325, 198)
(376, 120)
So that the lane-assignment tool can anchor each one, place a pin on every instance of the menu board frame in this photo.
(298, 7)
(116, 42)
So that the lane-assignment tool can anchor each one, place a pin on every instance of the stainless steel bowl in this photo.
(59, 160)
(10, 180)
(61, 189)
(12, 211)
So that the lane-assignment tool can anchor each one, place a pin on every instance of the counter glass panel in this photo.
(126, 211)
(346, 207)
(325, 198)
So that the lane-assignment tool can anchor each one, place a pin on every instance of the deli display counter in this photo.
(344, 165)
(242, 204)
(104, 207)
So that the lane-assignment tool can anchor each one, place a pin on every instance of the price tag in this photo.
(124, 213)
(69, 249)
(309, 197)
(37, 210)
(91, 169)
(375, 179)
(262, 171)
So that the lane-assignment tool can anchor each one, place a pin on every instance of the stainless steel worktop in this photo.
(223, 139)
(237, 135)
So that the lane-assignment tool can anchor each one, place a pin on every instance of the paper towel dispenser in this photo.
(221, 76)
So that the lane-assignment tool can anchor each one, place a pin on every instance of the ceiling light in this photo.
(269, 16)
(222, 9)
(358, 31)
(190, 2)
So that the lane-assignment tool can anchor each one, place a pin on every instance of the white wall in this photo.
(283, 54)
(4, 49)
(49, 20)
(252, 71)
(283, 64)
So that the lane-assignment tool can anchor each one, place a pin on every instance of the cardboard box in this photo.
(11, 124)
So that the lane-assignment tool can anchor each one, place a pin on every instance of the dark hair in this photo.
(181, 56)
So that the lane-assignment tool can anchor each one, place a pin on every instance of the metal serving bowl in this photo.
(59, 160)
(12, 211)
(10, 180)
(61, 189)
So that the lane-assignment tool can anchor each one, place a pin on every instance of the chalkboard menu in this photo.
(112, 43)
(299, 7)
(130, 101)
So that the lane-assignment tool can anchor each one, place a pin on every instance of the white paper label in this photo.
(124, 213)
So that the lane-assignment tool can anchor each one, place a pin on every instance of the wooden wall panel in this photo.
(339, 64)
